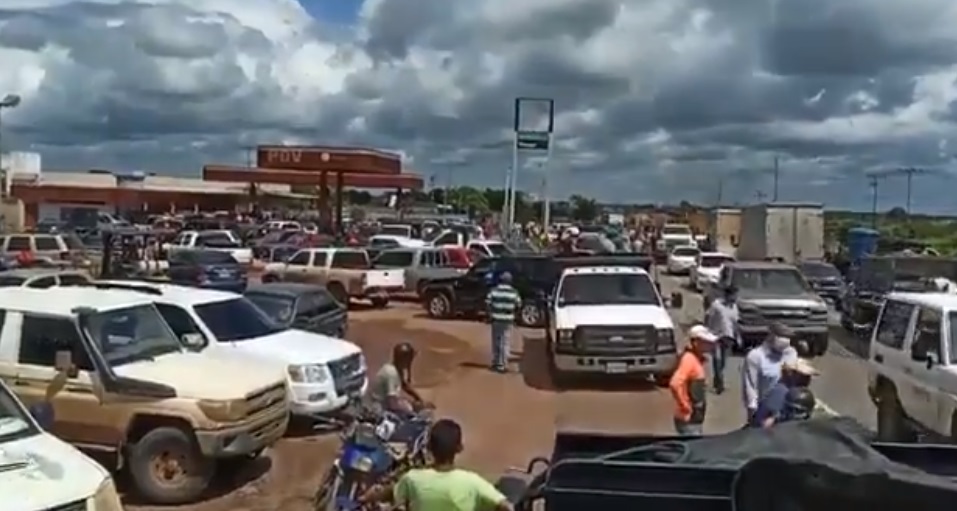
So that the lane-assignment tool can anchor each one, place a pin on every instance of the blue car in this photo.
(209, 269)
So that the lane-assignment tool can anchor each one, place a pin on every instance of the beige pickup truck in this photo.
(134, 395)
(346, 273)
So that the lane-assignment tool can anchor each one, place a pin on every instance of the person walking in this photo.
(502, 301)
(762, 367)
(688, 382)
(722, 319)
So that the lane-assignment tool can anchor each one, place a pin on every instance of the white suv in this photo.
(323, 373)
(912, 375)
(26, 451)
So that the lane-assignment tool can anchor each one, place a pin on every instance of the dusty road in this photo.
(507, 418)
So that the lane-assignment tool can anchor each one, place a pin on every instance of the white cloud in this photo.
(653, 97)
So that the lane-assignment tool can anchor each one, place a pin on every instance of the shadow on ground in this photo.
(538, 374)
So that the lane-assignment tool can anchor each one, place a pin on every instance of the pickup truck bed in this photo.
(593, 471)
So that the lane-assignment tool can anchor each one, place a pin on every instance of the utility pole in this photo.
(873, 181)
(909, 172)
(777, 173)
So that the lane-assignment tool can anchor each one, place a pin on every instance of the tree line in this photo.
(477, 202)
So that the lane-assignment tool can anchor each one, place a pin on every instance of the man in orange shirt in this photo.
(688, 382)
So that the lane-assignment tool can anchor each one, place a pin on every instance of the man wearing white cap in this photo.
(688, 383)
(788, 399)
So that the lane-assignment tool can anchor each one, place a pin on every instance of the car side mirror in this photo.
(43, 413)
(677, 300)
(193, 341)
(63, 363)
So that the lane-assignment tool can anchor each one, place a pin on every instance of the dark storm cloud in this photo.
(655, 99)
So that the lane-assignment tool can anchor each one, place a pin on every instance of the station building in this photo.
(283, 174)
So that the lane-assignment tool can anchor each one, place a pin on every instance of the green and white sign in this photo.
(532, 140)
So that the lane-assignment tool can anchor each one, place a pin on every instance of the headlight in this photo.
(362, 464)
(223, 411)
(666, 341)
(308, 373)
(565, 336)
(106, 498)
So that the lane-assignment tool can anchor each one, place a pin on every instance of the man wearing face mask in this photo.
(762, 366)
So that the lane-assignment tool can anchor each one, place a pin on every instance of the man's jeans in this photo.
(719, 359)
(500, 331)
(687, 429)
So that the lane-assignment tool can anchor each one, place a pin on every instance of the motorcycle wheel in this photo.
(333, 486)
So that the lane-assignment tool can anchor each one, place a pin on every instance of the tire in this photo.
(269, 278)
(167, 467)
(820, 347)
(339, 293)
(324, 498)
(891, 426)
(380, 303)
(438, 305)
(530, 315)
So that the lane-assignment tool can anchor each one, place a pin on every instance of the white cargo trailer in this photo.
(788, 231)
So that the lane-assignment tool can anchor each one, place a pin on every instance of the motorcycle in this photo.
(375, 451)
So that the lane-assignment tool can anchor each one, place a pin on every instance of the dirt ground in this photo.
(508, 419)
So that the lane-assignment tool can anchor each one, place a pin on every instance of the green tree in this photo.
(583, 209)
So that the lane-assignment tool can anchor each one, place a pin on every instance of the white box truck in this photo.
(786, 231)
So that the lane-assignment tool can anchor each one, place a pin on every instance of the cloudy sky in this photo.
(654, 99)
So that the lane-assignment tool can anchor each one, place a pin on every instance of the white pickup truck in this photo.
(222, 241)
(611, 320)
(345, 272)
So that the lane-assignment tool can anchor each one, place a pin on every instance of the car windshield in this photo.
(237, 319)
(608, 289)
(783, 281)
(279, 308)
(686, 252)
(498, 249)
(820, 270)
(11, 281)
(396, 230)
(714, 261)
(132, 334)
(14, 422)
(216, 239)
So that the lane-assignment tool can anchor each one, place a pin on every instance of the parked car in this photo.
(207, 269)
(61, 248)
(682, 259)
(345, 272)
(221, 240)
(43, 278)
(308, 307)
(421, 266)
(824, 278)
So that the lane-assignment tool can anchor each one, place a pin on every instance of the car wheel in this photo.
(530, 315)
(891, 426)
(269, 277)
(167, 467)
(439, 306)
(380, 303)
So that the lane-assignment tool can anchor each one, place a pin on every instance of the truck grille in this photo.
(347, 374)
(616, 338)
(78, 505)
(793, 317)
(266, 398)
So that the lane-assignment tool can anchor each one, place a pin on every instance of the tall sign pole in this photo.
(534, 134)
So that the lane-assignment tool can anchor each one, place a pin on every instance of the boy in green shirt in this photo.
(443, 487)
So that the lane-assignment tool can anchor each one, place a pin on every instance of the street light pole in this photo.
(8, 101)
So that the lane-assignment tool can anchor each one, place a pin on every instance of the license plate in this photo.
(616, 368)
(222, 273)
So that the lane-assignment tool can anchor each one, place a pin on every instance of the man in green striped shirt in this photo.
(503, 301)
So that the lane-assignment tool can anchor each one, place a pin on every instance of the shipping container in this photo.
(782, 231)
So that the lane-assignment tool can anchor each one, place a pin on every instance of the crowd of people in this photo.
(774, 381)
